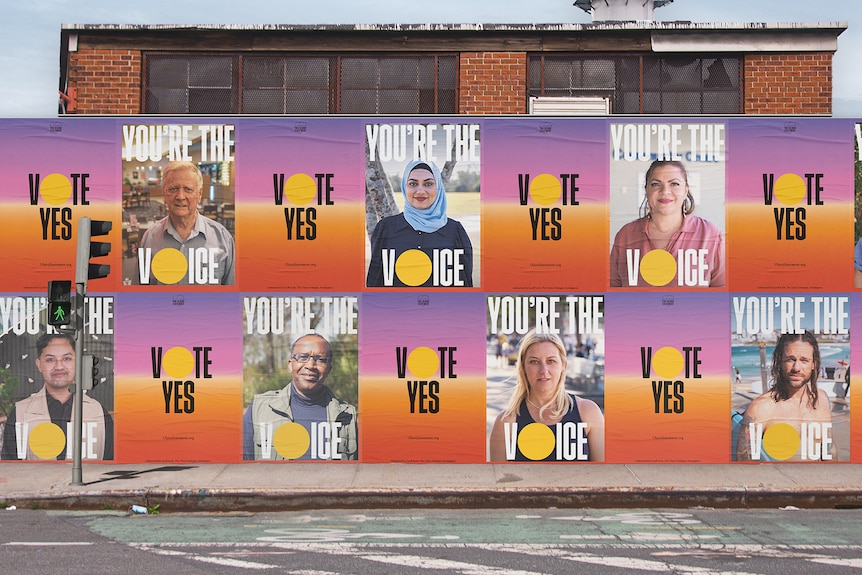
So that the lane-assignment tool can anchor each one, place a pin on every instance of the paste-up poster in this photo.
(422, 378)
(54, 173)
(791, 369)
(422, 209)
(37, 368)
(857, 206)
(790, 210)
(179, 205)
(667, 183)
(300, 377)
(179, 373)
(545, 373)
(544, 204)
(300, 205)
(856, 419)
(667, 379)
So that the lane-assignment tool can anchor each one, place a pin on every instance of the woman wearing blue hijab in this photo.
(422, 226)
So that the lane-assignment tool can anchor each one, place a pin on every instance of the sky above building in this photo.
(30, 31)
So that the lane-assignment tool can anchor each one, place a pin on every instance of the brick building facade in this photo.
(636, 67)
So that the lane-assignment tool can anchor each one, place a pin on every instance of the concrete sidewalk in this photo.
(291, 486)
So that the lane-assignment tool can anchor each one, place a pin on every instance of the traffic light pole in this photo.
(78, 401)
(84, 271)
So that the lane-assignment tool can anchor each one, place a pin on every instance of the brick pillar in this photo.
(799, 84)
(492, 83)
(108, 81)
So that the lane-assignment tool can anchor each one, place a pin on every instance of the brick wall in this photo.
(493, 83)
(788, 83)
(108, 81)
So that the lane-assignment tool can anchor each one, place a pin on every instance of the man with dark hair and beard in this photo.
(793, 400)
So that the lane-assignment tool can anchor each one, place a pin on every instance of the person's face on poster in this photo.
(57, 364)
(182, 193)
(310, 364)
(544, 367)
(666, 190)
(797, 363)
(421, 189)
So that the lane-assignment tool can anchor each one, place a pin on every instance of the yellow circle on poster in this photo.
(536, 441)
(422, 362)
(658, 267)
(178, 362)
(47, 440)
(667, 362)
(55, 189)
(300, 189)
(545, 189)
(169, 265)
(789, 189)
(780, 441)
(291, 440)
(413, 267)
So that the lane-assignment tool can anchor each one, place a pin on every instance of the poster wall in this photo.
(436, 290)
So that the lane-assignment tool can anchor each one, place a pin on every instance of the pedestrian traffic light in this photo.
(89, 372)
(87, 249)
(59, 302)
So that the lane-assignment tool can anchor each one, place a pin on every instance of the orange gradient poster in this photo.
(54, 173)
(790, 204)
(422, 385)
(667, 383)
(179, 363)
(299, 216)
(544, 204)
(855, 356)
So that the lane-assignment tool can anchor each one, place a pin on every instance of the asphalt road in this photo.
(474, 542)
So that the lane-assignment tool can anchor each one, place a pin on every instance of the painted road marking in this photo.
(635, 536)
(327, 535)
(857, 563)
(575, 553)
(422, 562)
(42, 543)
(236, 563)
(638, 518)
(619, 562)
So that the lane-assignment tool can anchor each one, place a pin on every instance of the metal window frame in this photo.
(662, 59)
(335, 75)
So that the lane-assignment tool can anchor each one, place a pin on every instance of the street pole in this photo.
(82, 262)
(78, 405)
(84, 271)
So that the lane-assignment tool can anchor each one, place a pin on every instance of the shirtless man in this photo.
(794, 398)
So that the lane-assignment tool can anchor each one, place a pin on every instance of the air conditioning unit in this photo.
(570, 106)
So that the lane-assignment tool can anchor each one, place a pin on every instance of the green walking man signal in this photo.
(59, 302)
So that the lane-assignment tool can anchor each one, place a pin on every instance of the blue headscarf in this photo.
(433, 217)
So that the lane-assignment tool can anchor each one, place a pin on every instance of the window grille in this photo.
(300, 84)
(643, 84)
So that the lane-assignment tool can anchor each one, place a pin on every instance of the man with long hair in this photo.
(794, 398)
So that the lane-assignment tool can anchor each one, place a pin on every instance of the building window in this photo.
(190, 85)
(398, 85)
(292, 85)
(300, 84)
(643, 84)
